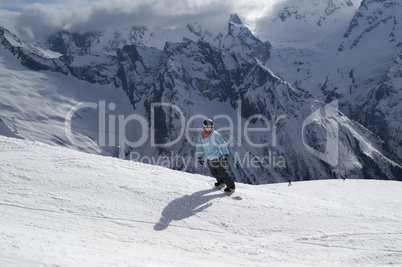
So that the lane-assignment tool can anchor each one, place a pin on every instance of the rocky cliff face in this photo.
(383, 112)
(275, 130)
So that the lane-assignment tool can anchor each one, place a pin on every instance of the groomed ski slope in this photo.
(60, 207)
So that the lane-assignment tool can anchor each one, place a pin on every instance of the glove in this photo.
(201, 161)
(225, 158)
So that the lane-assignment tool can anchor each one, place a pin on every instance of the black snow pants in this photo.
(218, 170)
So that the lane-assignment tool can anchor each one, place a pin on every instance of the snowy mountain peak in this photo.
(240, 39)
(234, 18)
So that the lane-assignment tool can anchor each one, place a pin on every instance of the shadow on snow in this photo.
(185, 207)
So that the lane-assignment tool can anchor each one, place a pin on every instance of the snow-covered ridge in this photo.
(68, 208)
(14, 41)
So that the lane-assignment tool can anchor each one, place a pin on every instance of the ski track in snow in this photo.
(61, 207)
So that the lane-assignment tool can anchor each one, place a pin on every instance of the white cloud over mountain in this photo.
(41, 18)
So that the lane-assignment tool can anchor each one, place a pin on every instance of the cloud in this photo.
(8, 19)
(39, 19)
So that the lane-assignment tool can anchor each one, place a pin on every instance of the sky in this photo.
(34, 19)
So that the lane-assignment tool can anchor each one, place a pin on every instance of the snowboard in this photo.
(234, 195)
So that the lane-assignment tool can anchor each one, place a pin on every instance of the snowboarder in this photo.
(212, 144)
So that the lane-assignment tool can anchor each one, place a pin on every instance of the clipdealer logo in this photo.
(238, 130)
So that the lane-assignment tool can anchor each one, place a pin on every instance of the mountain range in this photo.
(321, 99)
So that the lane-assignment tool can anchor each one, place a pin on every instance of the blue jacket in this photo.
(213, 146)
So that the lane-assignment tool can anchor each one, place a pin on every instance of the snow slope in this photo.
(61, 207)
(34, 106)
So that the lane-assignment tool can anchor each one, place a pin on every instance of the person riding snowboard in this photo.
(212, 144)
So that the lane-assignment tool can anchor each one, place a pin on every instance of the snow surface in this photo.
(61, 207)
(35, 104)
